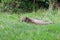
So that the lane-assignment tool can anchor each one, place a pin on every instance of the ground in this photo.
(11, 27)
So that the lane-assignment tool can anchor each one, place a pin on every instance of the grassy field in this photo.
(11, 27)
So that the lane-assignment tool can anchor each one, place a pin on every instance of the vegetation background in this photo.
(11, 27)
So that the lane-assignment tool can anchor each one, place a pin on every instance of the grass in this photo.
(11, 27)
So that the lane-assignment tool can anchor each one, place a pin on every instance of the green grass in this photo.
(11, 27)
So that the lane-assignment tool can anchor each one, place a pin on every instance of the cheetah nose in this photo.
(22, 21)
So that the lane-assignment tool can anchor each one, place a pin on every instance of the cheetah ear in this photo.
(26, 18)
